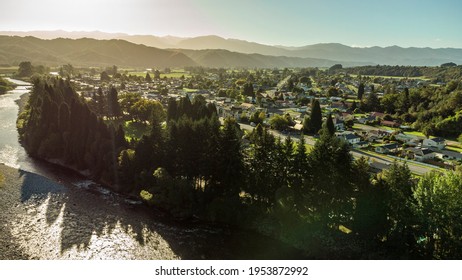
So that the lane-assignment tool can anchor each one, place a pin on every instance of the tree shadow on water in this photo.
(93, 219)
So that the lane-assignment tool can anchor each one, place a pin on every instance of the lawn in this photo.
(353, 100)
(455, 149)
(385, 127)
(352, 88)
(415, 133)
(8, 70)
(175, 75)
(141, 74)
(189, 90)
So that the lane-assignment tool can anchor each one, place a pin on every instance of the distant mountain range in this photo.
(92, 52)
(87, 52)
(215, 51)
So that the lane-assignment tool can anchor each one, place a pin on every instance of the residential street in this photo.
(381, 160)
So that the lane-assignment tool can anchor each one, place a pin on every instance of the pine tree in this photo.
(330, 125)
(148, 78)
(330, 161)
(113, 103)
(360, 91)
(315, 117)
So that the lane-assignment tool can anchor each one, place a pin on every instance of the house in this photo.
(421, 154)
(387, 148)
(248, 107)
(377, 115)
(373, 135)
(448, 155)
(389, 123)
(364, 120)
(361, 144)
(435, 142)
(335, 99)
(339, 105)
(351, 138)
(297, 127)
(405, 137)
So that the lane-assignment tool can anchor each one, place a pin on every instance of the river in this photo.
(48, 212)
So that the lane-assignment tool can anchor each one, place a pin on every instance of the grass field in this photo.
(415, 133)
(173, 74)
(141, 74)
(8, 70)
(394, 77)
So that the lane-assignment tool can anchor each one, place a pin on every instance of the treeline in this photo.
(58, 126)
(445, 72)
(385, 70)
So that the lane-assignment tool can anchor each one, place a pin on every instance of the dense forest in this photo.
(434, 110)
(57, 125)
(446, 72)
(192, 165)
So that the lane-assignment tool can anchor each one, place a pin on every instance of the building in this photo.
(389, 123)
(351, 138)
(449, 155)
(436, 143)
(387, 148)
(421, 154)
(361, 144)
(410, 140)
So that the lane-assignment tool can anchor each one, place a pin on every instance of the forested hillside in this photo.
(87, 52)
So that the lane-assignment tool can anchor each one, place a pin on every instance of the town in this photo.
(283, 100)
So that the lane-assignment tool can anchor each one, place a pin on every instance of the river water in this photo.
(47, 212)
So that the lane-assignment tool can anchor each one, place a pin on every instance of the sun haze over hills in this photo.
(411, 23)
(209, 51)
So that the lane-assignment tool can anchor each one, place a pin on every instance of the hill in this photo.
(224, 58)
(91, 52)
(393, 55)
(87, 52)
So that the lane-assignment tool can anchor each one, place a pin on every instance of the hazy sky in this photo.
(420, 23)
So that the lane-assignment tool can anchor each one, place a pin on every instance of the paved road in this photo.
(416, 169)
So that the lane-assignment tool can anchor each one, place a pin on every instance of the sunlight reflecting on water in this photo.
(41, 237)
(9, 156)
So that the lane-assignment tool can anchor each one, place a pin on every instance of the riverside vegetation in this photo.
(191, 165)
